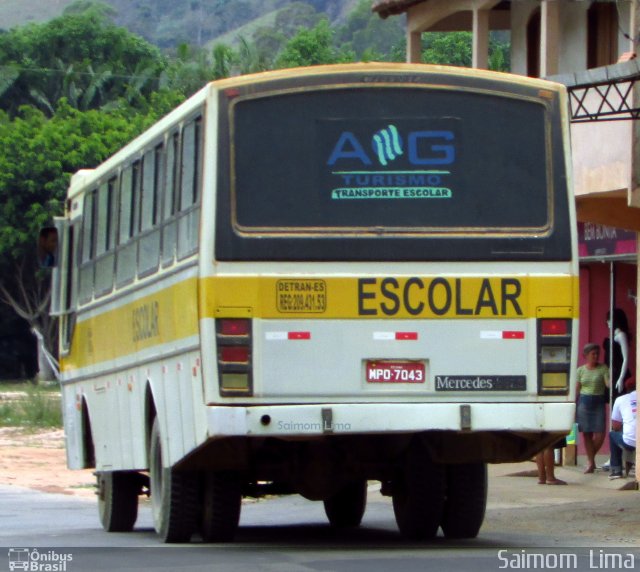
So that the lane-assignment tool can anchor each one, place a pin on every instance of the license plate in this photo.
(388, 371)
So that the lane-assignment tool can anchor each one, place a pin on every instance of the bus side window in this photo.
(105, 237)
(149, 243)
(148, 209)
(189, 176)
(87, 249)
(188, 223)
(71, 244)
(136, 201)
(169, 197)
(112, 227)
(127, 248)
(125, 219)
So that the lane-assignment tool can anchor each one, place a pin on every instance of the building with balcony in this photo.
(590, 46)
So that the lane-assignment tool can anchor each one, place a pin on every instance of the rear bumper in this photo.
(369, 418)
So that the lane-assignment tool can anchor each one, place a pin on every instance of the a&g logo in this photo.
(423, 148)
(392, 163)
(387, 144)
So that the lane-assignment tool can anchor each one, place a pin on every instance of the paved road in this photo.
(290, 534)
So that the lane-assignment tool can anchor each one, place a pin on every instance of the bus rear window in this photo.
(391, 160)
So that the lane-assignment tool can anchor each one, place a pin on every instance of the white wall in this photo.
(520, 14)
(601, 153)
(573, 37)
(573, 34)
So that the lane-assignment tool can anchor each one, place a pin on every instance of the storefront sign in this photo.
(600, 240)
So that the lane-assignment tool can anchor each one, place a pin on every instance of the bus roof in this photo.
(386, 67)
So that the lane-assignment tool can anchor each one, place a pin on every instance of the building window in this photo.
(602, 34)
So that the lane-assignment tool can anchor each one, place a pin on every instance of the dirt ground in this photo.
(37, 460)
(589, 507)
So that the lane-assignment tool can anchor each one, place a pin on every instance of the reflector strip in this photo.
(406, 335)
(502, 335)
(299, 335)
(490, 335)
(513, 335)
(275, 336)
(400, 336)
(278, 336)
(384, 336)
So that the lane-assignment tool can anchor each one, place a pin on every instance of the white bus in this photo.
(304, 280)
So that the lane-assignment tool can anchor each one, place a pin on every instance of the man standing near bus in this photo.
(623, 420)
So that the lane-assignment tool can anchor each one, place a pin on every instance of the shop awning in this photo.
(608, 208)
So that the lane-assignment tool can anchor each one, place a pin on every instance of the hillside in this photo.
(168, 23)
(20, 12)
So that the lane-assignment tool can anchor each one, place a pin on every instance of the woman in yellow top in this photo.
(593, 381)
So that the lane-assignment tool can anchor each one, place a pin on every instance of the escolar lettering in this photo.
(439, 297)
(145, 321)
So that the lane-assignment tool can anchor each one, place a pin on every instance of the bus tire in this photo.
(222, 501)
(173, 495)
(466, 500)
(118, 500)
(346, 508)
(418, 494)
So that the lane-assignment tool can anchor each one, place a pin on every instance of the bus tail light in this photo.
(553, 328)
(554, 356)
(234, 350)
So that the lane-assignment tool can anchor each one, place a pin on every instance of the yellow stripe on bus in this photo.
(166, 316)
(171, 314)
(388, 297)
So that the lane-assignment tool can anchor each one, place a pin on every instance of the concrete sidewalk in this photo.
(524, 476)
(590, 510)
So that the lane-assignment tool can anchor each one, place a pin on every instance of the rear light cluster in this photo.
(233, 339)
(554, 356)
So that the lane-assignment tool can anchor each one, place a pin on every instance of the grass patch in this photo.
(25, 384)
(36, 407)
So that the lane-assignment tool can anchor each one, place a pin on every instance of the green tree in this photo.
(370, 37)
(455, 49)
(40, 154)
(499, 54)
(447, 48)
(80, 56)
(248, 58)
(311, 47)
(93, 7)
(189, 71)
(222, 61)
(268, 41)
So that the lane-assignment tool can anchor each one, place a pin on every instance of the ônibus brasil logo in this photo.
(426, 156)
(34, 560)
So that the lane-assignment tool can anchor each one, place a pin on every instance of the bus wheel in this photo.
(418, 494)
(346, 508)
(118, 500)
(173, 496)
(466, 500)
(221, 506)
